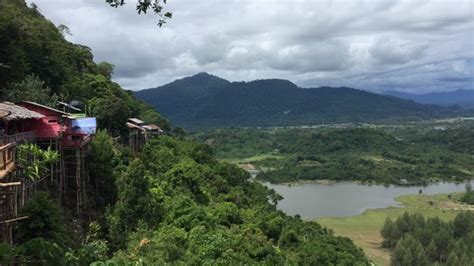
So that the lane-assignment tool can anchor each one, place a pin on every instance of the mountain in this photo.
(464, 98)
(204, 101)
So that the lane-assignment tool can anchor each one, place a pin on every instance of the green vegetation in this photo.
(468, 197)
(399, 155)
(37, 63)
(171, 203)
(34, 161)
(177, 204)
(419, 241)
(365, 229)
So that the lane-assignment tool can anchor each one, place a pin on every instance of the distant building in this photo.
(140, 133)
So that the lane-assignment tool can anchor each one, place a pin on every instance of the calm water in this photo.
(312, 200)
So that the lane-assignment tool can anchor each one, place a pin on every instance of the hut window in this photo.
(53, 121)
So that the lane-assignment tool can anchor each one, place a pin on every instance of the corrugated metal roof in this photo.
(47, 107)
(15, 112)
(130, 125)
(152, 127)
(136, 121)
(69, 106)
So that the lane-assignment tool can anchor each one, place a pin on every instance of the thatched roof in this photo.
(11, 112)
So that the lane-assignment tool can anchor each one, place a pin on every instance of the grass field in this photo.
(254, 158)
(364, 229)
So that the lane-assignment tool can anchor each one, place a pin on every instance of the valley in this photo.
(400, 153)
(351, 177)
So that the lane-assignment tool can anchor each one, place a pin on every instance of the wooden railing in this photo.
(20, 137)
(7, 147)
(7, 155)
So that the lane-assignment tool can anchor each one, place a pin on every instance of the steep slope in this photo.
(204, 101)
(184, 97)
(464, 98)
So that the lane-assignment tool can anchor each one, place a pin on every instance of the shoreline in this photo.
(364, 229)
(331, 182)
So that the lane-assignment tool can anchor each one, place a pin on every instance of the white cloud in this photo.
(373, 45)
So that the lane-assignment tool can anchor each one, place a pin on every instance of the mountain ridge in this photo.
(207, 101)
(461, 97)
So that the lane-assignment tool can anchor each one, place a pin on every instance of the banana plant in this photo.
(35, 161)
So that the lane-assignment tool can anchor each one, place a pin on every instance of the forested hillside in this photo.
(38, 64)
(171, 203)
(206, 101)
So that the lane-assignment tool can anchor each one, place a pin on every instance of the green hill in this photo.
(206, 101)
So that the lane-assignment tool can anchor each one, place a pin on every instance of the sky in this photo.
(411, 46)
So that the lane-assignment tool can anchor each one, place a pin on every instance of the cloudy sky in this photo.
(413, 46)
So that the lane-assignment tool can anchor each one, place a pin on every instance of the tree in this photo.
(432, 251)
(102, 166)
(144, 5)
(134, 204)
(105, 69)
(45, 221)
(112, 113)
(409, 251)
(468, 187)
(32, 88)
(387, 233)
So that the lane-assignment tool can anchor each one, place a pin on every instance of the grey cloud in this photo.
(366, 44)
(391, 51)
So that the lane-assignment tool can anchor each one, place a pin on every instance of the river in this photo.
(316, 200)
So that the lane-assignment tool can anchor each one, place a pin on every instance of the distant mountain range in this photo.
(204, 101)
(464, 98)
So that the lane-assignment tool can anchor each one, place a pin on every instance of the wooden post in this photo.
(78, 180)
(4, 155)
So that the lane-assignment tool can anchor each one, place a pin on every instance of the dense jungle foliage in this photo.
(171, 203)
(400, 155)
(415, 240)
(38, 64)
(175, 203)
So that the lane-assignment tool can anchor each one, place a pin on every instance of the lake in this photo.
(315, 200)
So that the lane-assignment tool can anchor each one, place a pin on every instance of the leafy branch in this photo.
(144, 5)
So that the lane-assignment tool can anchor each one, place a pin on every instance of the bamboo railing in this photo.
(24, 136)
(7, 155)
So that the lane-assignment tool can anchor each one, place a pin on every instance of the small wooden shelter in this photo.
(140, 133)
